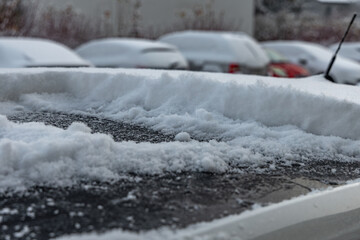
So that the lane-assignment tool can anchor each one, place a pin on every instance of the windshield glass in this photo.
(276, 57)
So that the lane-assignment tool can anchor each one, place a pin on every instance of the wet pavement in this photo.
(142, 202)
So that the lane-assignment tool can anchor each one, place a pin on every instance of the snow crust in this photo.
(259, 119)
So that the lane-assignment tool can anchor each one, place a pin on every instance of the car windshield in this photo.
(276, 57)
(149, 50)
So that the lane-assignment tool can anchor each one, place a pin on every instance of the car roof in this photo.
(219, 35)
(297, 43)
(130, 44)
(21, 51)
(308, 47)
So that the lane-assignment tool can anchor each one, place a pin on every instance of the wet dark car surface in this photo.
(142, 202)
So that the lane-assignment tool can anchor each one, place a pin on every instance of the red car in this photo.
(281, 67)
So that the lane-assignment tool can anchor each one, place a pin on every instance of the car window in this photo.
(199, 44)
(245, 51)
(276, 57)
(318, 52)
(149, 50)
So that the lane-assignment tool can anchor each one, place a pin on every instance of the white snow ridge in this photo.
(257, 119)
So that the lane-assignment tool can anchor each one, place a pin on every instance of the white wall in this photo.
(157, 16)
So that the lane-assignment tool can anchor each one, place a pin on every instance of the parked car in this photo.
(280, 66)
(349, 50)
(316, 58)
(132, 53)
(33, 52)
(220, 51)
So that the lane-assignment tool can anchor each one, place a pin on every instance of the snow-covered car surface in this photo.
(220, 51)
(132, 53)
(91, 150)
(316, 58)
(349, 50)
(32, 52)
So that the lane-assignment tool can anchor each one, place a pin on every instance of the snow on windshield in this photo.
(245, 119)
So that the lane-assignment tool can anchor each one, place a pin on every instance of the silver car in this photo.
(132, 53)
(228, 52)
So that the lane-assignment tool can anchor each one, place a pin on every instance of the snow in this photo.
(258, 119)
(183, 137)
(129, 44)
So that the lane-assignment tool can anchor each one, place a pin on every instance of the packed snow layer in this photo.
(259, 119)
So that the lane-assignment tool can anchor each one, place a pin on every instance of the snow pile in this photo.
(259, 119)
(195, 103)
(33, 153)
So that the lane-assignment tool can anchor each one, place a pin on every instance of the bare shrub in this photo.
(308, 27)
(201, 17)
(66, 26)
(10, 15)
(25, 18)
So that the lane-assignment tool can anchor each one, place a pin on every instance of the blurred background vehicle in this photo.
(280, 66)
(349, 50)
(220, 51)
(32, 52)
(315, 58)
(132, 53)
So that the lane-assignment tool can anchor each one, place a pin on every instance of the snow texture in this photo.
(258, 119)
(183, 137)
